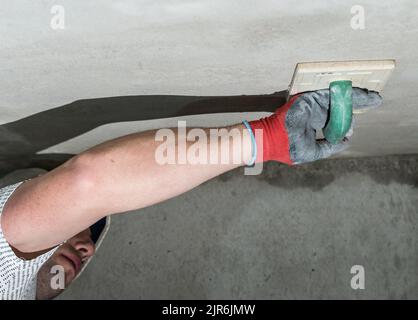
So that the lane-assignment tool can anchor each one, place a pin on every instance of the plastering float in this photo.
(340, 77)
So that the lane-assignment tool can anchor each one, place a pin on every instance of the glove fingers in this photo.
(326, 149)
(318, 101)
(364, 99)
(314, 108)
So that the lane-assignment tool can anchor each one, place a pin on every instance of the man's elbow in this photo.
(82, 174)
(55, 198)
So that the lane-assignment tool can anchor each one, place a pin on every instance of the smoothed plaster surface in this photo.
(119, 48)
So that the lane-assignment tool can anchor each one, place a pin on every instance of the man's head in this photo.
(70, 257)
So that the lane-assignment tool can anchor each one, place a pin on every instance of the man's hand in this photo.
(289, 135)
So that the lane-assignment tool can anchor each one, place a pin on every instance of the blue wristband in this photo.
(253, 143)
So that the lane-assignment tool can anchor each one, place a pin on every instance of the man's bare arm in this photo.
(116, 176)
(122, 174)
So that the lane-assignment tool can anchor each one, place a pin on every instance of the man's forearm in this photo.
(117, 176)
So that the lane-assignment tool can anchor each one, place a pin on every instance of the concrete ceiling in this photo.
(196, 47)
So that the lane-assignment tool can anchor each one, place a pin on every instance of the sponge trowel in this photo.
(340, 77)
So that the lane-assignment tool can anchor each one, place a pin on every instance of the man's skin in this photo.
(70, 256)
(122, 174)
(117, 176)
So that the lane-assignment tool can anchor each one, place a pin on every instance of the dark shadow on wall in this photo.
(22, 139)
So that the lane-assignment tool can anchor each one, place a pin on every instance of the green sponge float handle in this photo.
(341, 111)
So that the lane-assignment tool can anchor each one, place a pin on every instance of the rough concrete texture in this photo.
(197, 47)
(288, 233)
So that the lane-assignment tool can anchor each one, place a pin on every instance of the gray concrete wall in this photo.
(197, 47)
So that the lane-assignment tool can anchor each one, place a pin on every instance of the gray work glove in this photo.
(289, 135)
